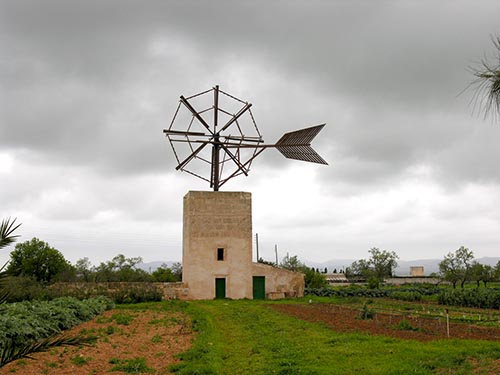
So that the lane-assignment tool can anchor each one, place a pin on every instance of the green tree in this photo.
(292, 263)
(121, 268)
(487, 83)
(456, 266)
(496, 272)
(83, 269)
(177, 271)
(312, 279)
(379, 266)
(36, 259)
(164, 274)
(475, 272)
(481, 272)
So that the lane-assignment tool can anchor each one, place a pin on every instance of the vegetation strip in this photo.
(140, 338)
(245, 337)
(25, 322)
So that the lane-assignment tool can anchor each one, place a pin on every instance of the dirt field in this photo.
(154, 337)
(344, 319)
(122, 335)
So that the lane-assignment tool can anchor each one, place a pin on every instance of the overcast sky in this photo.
(86, 88)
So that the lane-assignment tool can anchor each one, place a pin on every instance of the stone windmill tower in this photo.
(214, 137)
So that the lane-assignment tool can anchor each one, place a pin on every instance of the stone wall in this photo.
(87, 289)
(280, 283)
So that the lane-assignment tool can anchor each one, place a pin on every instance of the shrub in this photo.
(366, 313)
(482, 298)
(22, 288)
(136, 294)
(24, 322)
(406, 296)
(405, 325)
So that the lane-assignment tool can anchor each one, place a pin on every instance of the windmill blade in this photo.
(297, 145)
(236, 116)
(244, 138)
(195, 113)
(179, 132)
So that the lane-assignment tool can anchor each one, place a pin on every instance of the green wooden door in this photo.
(220, 288)
(259, 287)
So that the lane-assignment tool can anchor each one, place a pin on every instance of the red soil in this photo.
(345, 319)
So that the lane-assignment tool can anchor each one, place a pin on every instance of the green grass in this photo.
(246, 337)
(79, 360)
(131, 366)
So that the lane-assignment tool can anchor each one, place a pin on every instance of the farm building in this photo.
(417, 271)
(217, 251)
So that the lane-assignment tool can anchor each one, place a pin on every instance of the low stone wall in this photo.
(411, 280)
(176, 290)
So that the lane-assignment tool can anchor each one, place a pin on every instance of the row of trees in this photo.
(456, 268)
(38, 260)
(460, 267)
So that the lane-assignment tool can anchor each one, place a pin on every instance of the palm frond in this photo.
(4, 293)
(10, 352)
(6, 229)
(487, 85)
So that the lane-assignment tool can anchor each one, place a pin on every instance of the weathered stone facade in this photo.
(217, 250)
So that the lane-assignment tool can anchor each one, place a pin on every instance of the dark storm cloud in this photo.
(71, 70)
(87, 86)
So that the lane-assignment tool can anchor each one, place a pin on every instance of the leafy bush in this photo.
(22, 288)
(366, 313)
(24, 322)
(405, 325)
(482, 298)
(406, 296)
(347, 292)
(118, 292)
(137, 294)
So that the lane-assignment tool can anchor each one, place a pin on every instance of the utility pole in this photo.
(257, 245)
(276, 252)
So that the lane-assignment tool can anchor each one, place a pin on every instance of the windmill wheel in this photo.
(215, 129)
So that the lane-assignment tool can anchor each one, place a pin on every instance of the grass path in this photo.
(246, 337)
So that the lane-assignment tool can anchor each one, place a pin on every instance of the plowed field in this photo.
(346, 319)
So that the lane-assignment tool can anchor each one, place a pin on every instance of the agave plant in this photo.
(487, 84)
(9, 350)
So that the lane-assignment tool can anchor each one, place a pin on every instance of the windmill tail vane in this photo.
(297, 145)
(233, 146)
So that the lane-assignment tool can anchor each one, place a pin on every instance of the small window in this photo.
(220, 253)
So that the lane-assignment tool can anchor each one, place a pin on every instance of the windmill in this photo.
(217, 130)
